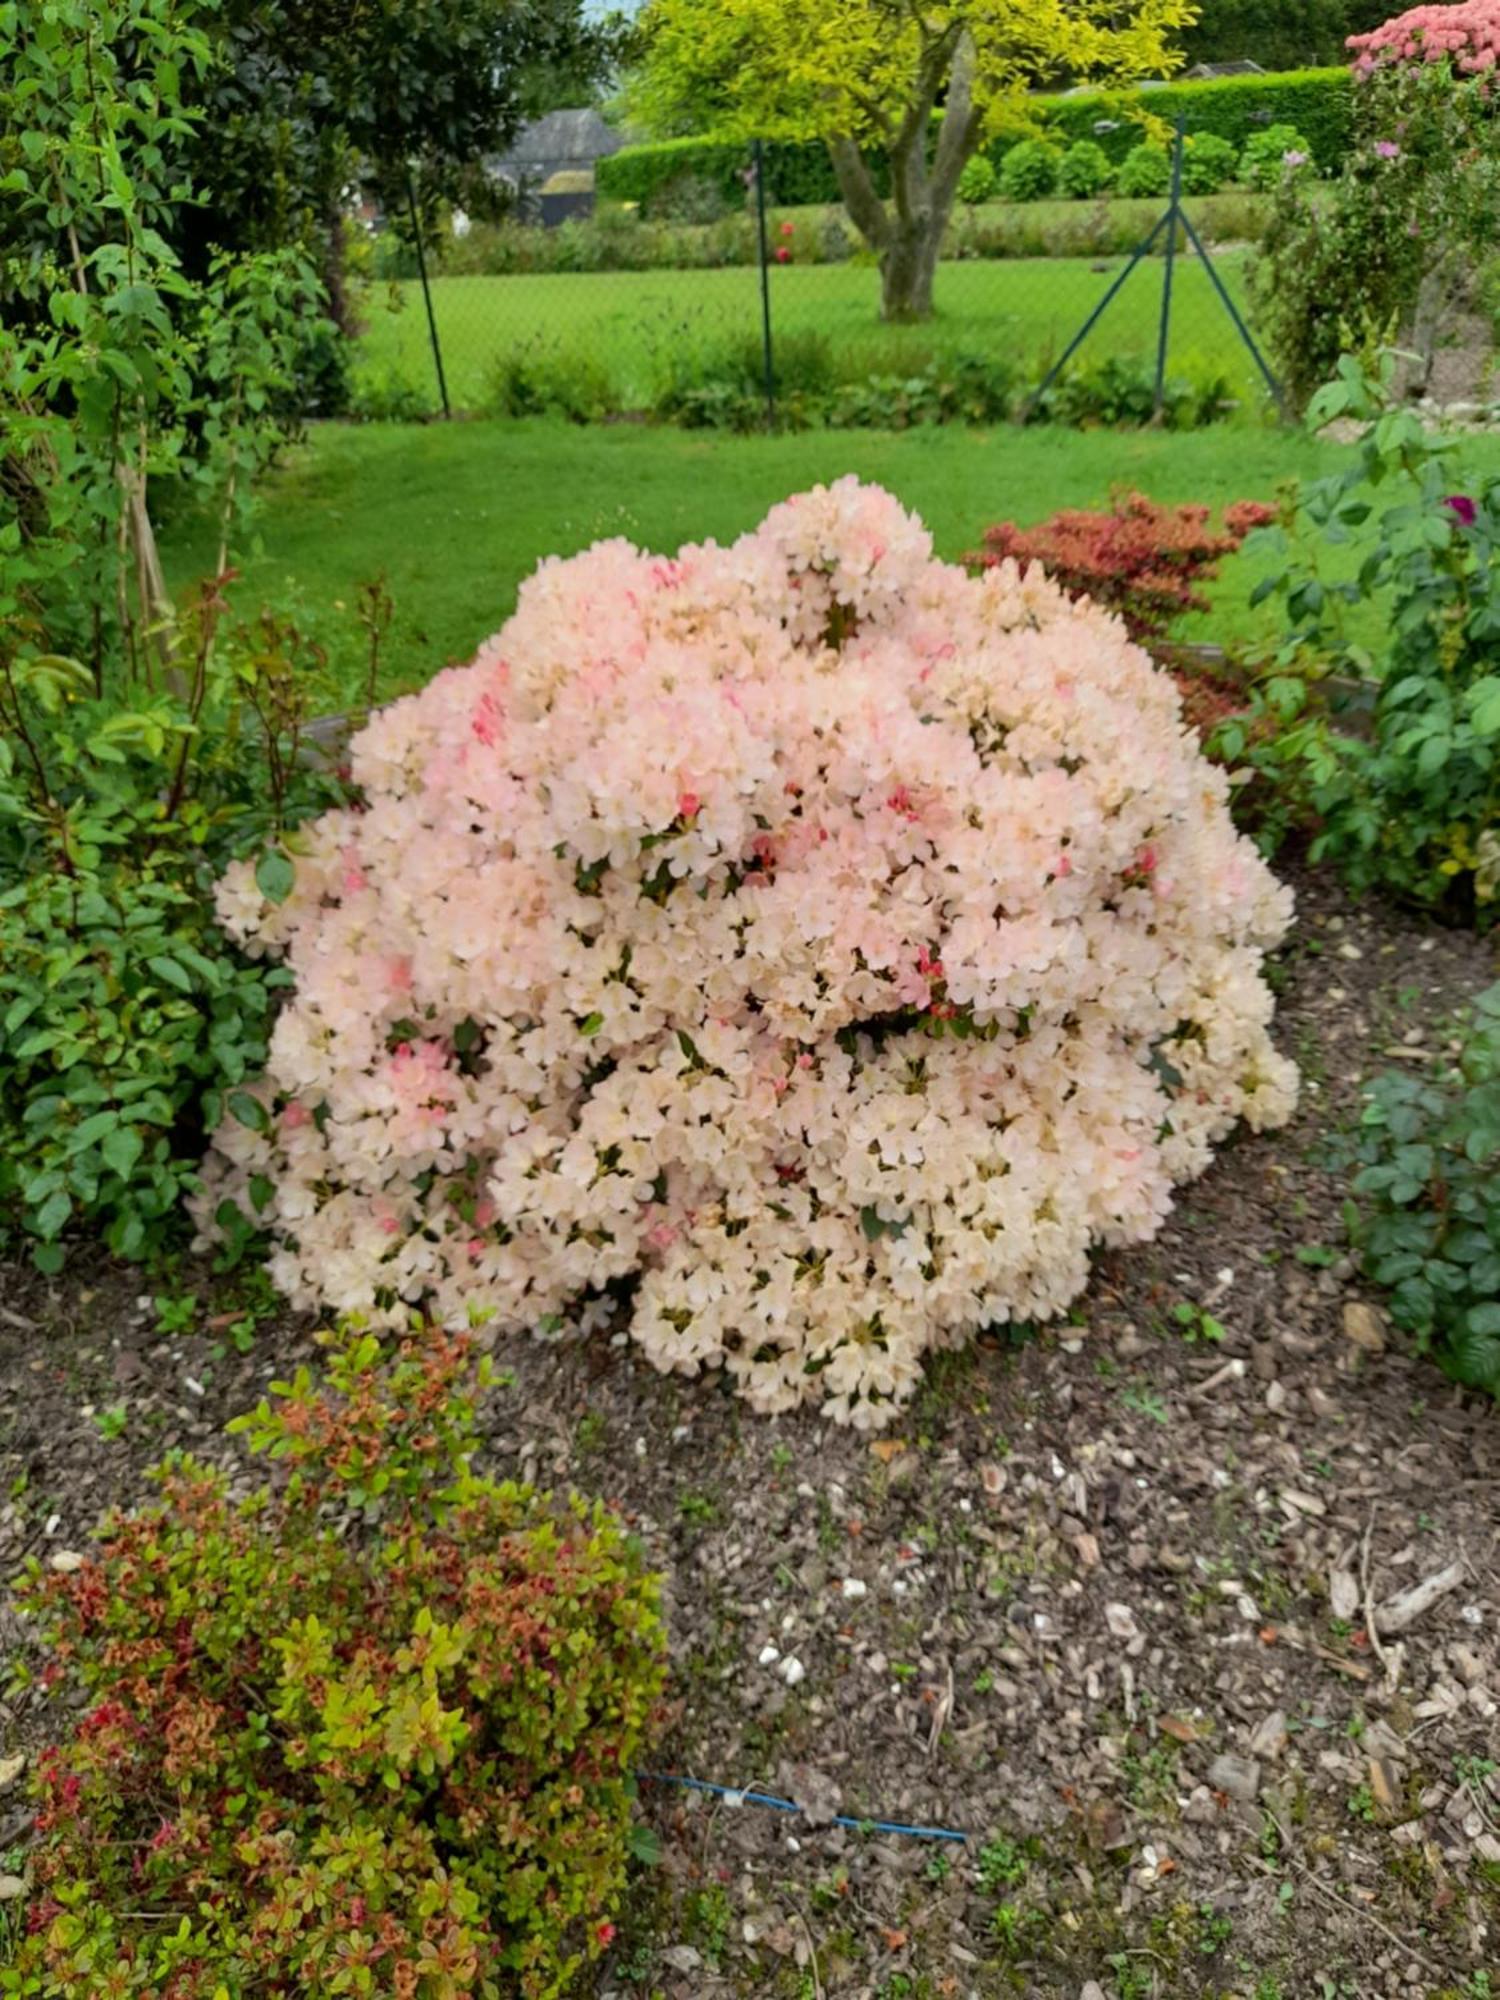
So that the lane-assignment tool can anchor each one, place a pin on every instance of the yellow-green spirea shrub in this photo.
(368, 1731)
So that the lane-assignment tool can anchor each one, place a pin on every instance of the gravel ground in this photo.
(1128, 1607)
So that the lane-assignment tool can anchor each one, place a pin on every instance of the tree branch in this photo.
(909, 148)
(959, 133)
(866, 209)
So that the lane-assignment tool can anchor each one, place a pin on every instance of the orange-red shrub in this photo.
(368, 1731)
(1141, 560)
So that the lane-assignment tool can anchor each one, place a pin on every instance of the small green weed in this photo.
(1196, 1324)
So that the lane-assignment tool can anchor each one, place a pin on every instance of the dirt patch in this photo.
(1101, 1603)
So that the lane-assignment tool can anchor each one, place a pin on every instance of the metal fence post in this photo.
(1173, 216)
(437, 349)
(765, 284)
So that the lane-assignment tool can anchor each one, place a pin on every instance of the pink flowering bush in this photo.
(1466, 36)
(831, 943)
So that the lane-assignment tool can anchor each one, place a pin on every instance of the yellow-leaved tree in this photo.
(918, 83)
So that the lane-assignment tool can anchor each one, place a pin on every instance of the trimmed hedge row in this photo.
(798, 173)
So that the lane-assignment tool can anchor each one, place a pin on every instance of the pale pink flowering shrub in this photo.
(1467, 36)
(833, 943)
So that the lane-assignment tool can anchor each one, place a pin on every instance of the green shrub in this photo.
(1147, 171)
(978, 181)
(1429, 1189)
(1412, 805)
(140, 747)
(1085, 170)
(721, 385)
(1318, 102)
(1094, 228)
(1269, 156)
(955, 388)
(537, 381)
(1347, 268)
(798, 173)
(1029, 171)
(386, 394)
(1208, 164)
(1119, 394)
(126, 1017)
(369, 1730)
(691, 197)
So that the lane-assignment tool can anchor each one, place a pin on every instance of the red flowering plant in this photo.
(367, 1731)
(1145, 562)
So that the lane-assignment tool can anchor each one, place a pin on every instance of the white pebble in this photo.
(792, 1671)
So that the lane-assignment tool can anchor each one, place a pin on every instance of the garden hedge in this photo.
(798, 173)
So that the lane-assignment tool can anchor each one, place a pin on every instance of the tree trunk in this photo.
(908, 236)
(907, 267)
(335, 278)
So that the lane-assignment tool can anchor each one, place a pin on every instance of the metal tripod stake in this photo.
(1175, 217)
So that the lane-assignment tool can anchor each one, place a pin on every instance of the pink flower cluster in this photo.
(1466, 35)
(832, 943)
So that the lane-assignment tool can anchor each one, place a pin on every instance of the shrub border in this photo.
(1319, 102)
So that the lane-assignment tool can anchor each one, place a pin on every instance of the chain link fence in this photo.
(771, 315)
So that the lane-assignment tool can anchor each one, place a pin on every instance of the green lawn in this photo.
(628, 322)
(456, 515)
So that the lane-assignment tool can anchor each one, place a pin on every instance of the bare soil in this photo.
(1102, 1603)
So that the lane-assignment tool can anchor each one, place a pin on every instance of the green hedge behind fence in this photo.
(1317, 101)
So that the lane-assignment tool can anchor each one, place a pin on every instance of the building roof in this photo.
(563, 138)
(1206, 72)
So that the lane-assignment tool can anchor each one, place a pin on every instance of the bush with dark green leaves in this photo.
(1029, 171)
(127, 1020)
(1208, 164)
(1147, 171)
(1085, 171)
(1429, 1194)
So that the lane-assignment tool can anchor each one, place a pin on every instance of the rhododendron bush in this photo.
(837, 944)
(1466, 35)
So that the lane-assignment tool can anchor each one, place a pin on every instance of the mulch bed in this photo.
(1101, 1602)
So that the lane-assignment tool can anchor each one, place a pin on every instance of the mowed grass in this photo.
(457, 515)
(629, 323)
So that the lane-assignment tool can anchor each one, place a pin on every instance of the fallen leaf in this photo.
(1383, 1784)
(1343, 1593)
(885, 1449)
(894, 1940)
(1179, 1727)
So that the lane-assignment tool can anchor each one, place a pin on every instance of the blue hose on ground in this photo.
(791, 1806)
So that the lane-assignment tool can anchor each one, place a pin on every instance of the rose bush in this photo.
(832, 943)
